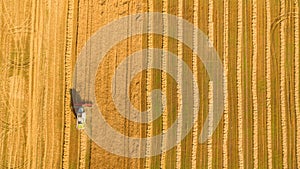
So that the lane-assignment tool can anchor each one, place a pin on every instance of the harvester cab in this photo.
(80, 110)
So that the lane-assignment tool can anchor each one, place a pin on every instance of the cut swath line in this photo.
(297, 104)
(225, 62)
(210, 21)
(16, 103)
(282, 87)
(164, 82)
(14, 86)
(268, 77)
(254, 81)
(30, 97)
(82, 136)
(11, 146)
(195, 71)
(54, 89)
(49, 160)
(20, 166)
(36, 92)
(14, 98)
(19, 153)
(210, 125)
(3, 135)
(13, 101)
(180, 55)
(46, 95)
(239, 84)
(210, 100)
(83, 141)
(68, 81)
(148, 88)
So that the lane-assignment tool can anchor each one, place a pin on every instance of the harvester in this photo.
(80, 110)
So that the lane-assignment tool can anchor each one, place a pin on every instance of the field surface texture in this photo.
(256, 42)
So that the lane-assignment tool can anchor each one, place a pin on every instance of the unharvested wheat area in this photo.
(257, 42)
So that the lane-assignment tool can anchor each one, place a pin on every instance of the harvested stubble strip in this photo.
(282, 86)
(239, 83)
(195, 71)
(225, 76)
(180, 56)
(268, 77)
(297, 104)
(254, 81)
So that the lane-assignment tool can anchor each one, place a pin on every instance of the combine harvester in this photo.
(80, 110)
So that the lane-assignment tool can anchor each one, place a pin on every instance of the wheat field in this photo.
(257, 42)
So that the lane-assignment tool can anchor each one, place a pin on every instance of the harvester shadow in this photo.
(74, 96)
(76, 99)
